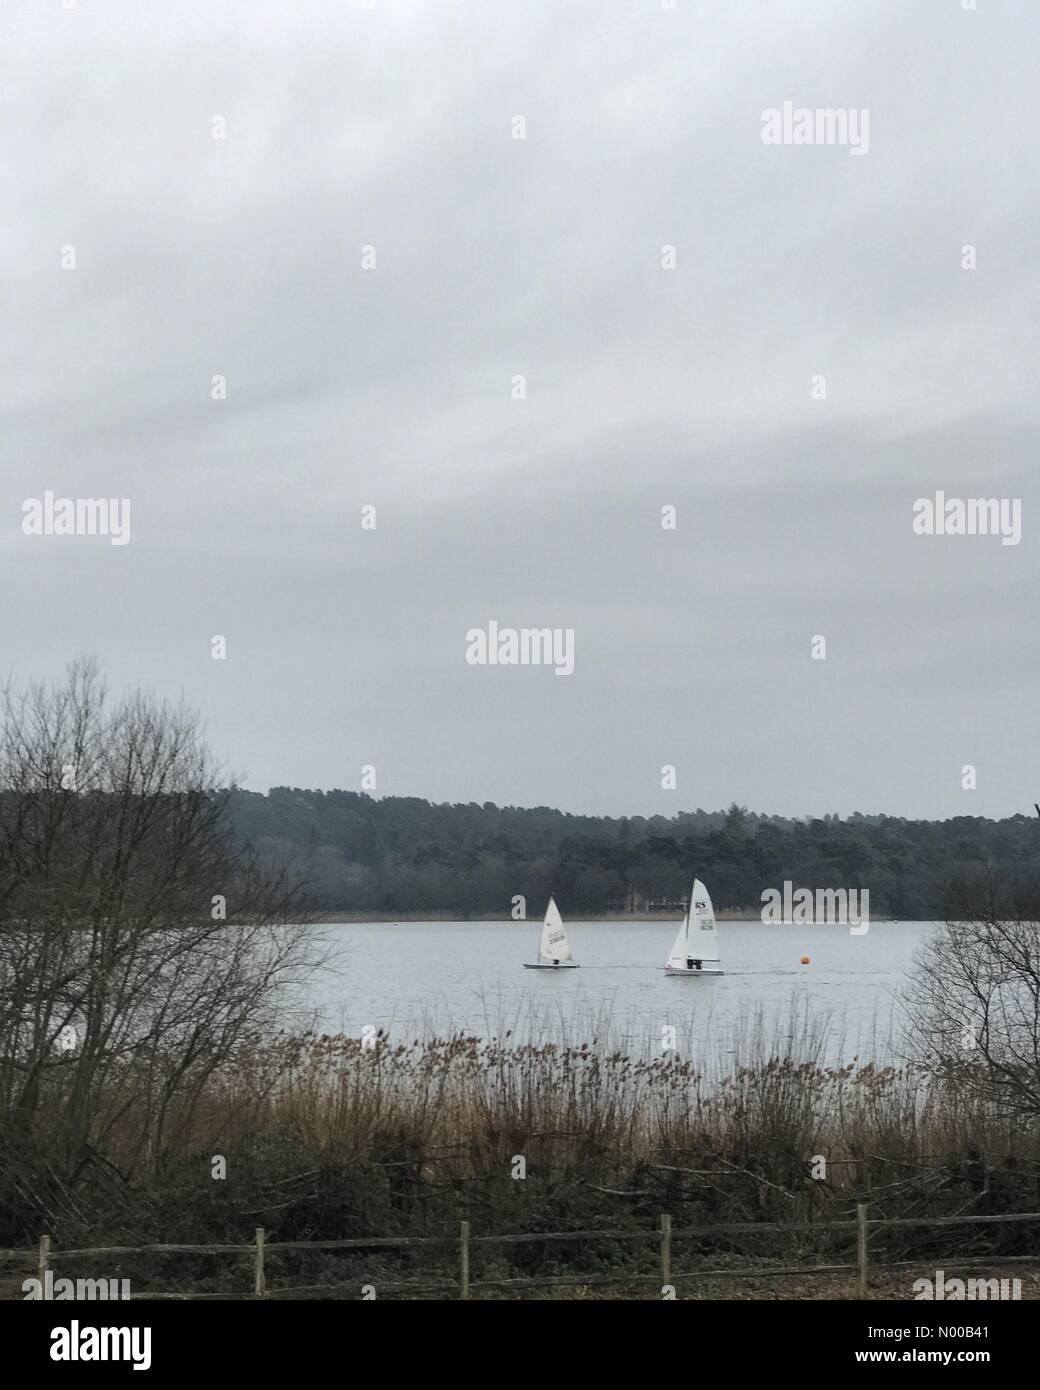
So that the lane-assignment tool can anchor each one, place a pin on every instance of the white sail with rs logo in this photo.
(696, 948)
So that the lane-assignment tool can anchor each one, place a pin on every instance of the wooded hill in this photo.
(403, 854)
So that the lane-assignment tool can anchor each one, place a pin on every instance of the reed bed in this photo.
(331, 1136)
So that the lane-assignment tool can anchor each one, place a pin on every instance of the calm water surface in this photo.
(418, 979)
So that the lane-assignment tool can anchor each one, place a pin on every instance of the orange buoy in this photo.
(805, 960)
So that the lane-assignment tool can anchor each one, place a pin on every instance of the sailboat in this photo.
(696, 949)
(554, 952)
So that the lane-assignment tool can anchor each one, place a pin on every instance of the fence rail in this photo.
(664, 1237)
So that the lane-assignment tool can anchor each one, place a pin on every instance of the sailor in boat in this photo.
(692, 964)
(556, 962)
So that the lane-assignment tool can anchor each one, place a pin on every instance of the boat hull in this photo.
(563, 965)
(674, 970)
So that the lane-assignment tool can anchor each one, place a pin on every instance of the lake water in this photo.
(417, 979)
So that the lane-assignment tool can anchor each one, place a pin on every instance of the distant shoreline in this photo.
(729, 914)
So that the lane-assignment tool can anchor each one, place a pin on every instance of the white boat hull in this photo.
(563, 965)
(675, 970)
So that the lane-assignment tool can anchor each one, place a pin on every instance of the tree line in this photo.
(404, 854)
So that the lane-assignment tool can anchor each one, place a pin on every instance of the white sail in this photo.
(703, 937)
(677, 959)
(554, 944)
(698, 938)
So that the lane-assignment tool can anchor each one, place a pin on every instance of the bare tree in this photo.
(140, 945)
(975, 995)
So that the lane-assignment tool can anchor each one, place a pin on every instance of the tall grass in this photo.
(326, 1136)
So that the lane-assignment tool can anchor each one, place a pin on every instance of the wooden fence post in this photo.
(259, 1285)
(666, 1250)
(44, 1261)
(861, 1249)
(464, 1260)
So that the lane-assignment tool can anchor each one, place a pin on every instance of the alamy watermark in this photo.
(525, 646)
(800, 125)
(954, 1290)
(50, 1289)
(972, 516)
(78, 1342)
(846, 906)
(77, 516)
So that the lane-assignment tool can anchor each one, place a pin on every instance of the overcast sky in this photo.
(393, 127)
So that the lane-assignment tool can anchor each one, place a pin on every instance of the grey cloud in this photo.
(645, 387)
